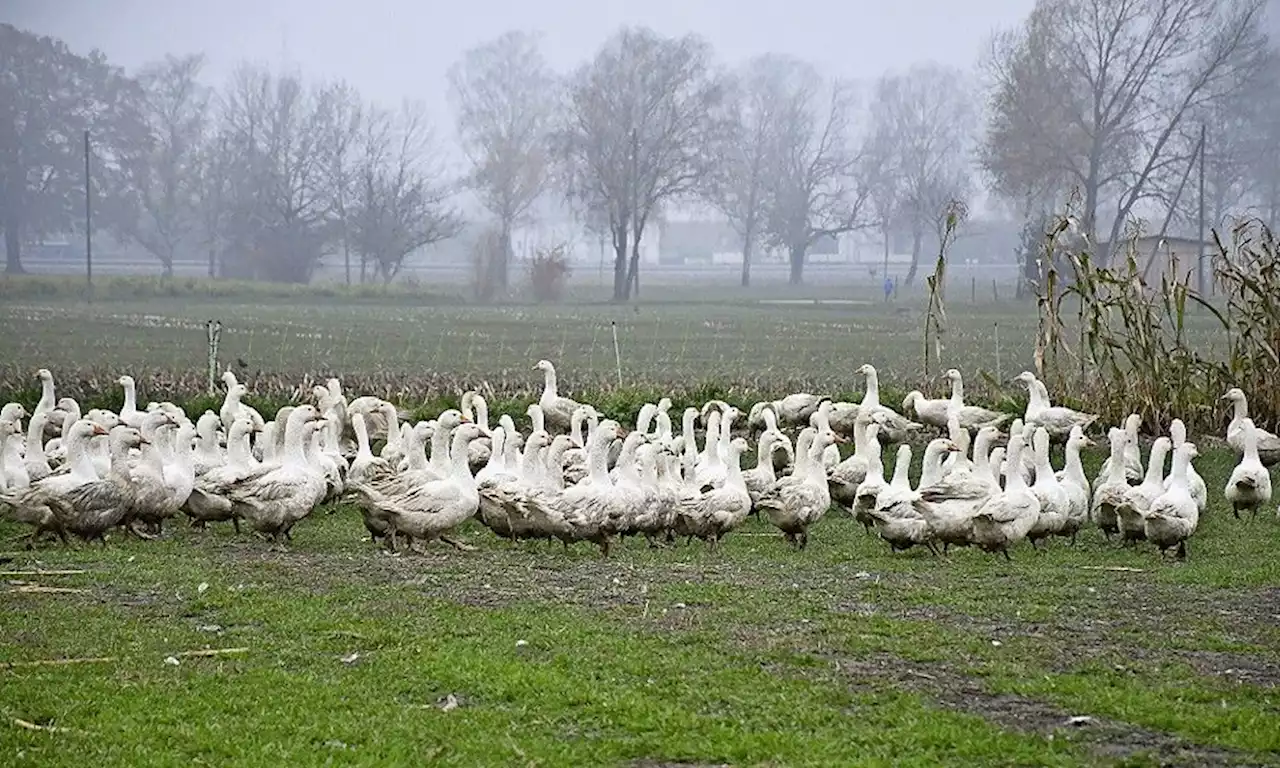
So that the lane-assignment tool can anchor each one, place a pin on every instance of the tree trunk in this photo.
(346, 259)
(499, 266)
(633, 270)
(797, 253)
(1090, 223)
(746, 263)
(917, 245)
(13, 248)
(888, 240)
(621, 285)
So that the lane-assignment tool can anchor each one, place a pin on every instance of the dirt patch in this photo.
(1103, 737)
(1235, 667)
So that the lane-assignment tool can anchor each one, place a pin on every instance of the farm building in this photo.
(1160, 256)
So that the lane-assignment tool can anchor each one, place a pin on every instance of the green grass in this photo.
(842, 654)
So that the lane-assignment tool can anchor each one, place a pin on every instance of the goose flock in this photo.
(987, 481)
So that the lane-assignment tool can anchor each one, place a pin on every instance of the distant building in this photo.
(1168, 256)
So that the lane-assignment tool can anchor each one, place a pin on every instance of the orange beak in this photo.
(98, 430)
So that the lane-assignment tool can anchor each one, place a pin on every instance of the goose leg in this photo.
(1006, 555)
(235, 523)
(458, 545)
(1182, 551)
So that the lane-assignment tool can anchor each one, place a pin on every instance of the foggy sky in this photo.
(396, 49)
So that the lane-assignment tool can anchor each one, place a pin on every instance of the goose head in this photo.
(664, 405)
(866, 369)
(83, 430)
(125, 381)
(126, 436)
(1077, 439)
(13, 412)
(952, 375)
(1026, 379)
(45, 376)
(1234, 395)
(451, 419)
(545, 366)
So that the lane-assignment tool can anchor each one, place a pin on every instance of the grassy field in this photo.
(528, 655)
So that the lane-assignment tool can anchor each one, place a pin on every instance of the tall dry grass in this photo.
(1124, 344)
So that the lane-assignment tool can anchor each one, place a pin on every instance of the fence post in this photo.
(213, 332)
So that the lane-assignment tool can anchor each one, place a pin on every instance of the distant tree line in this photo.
(267, 174)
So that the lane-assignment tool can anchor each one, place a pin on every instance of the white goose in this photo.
(1109, 492)
(1056, 419)
(1133, 471)
(1249, 486)
(1138, 499)
(1195, 483)
(557, 410)
(894, 427)
(1006, 517)
(1268, 444)
(129, 413)
(274, 499)
(801, 499)
(1075, 484)
(971, 417)
(896, 517)
(1174, 515)
(1054, 503)
(428, 512)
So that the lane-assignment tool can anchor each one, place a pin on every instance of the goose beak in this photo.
(98, 430)
(143, 441)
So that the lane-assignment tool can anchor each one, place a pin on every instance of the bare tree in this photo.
(400, 203)
(167, 175)
(213, 177)
(48, 97)
(924, 122)
(344, 115)
(1096, 91)
(738, 180)
(883, 185)
(504, 99)
(1264, 170)
(642, 120)
(277, 222)
(814, 190)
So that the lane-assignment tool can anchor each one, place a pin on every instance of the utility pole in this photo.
(88, 220)
(1200, 236)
